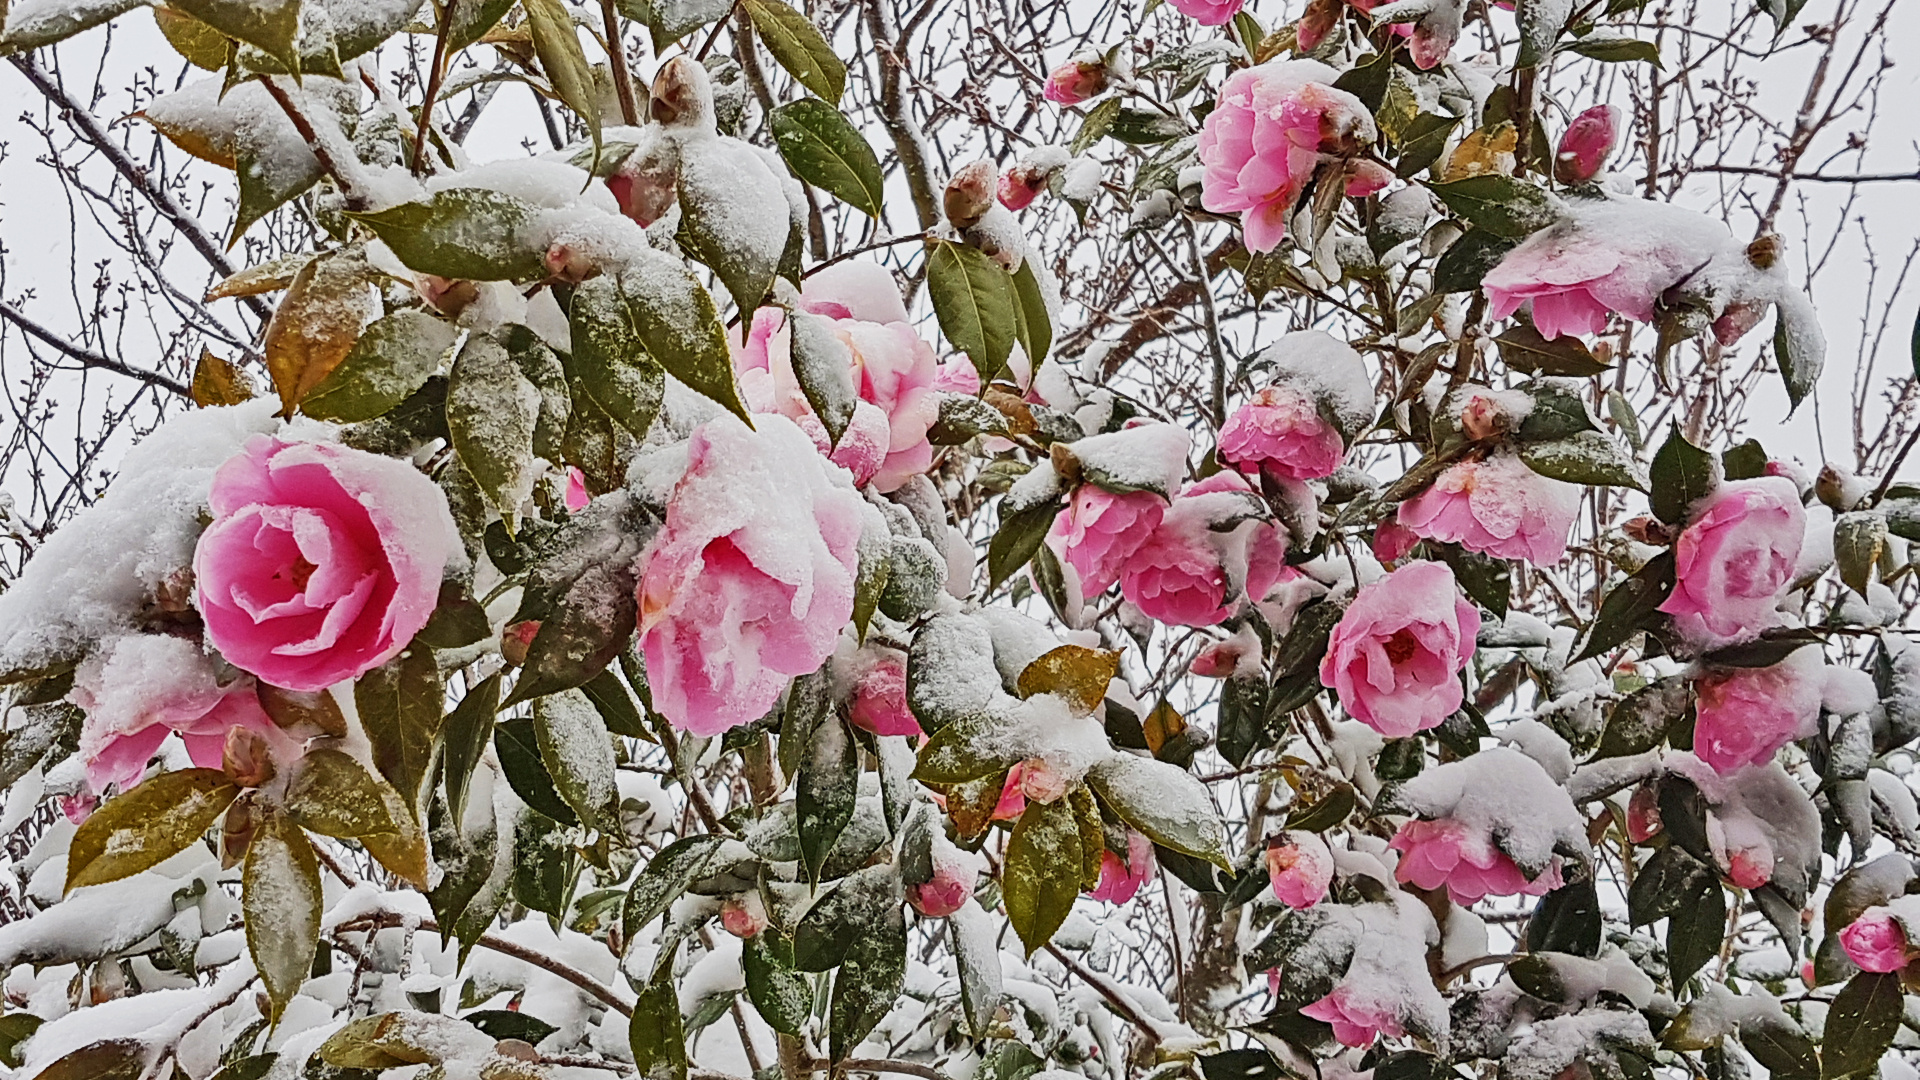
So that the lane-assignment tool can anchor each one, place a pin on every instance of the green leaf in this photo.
(1367, 79)
(266, 181)
(517, 746)
(589, 623)
(1423, 142)
(1041, 874)
(975, 303)
(578, 753)
(827, 932)
(666, 878)
(1144, 127)
(49, 725)
(783, 998)
(1466, 261)
(16, 1028)
(492, 409)
(469, 729)
(509, 1024)
(1487, 581)
(561, 57)
(280, 897)
(1861, 1024)
(1799, 349)
(1165, 802)
(1782, 1049)
(1566, 920)
(1098, 122)
(142, 828)
(1034, 327)
(1859, 537)
(798, 46)
(616, 706)
(1015, 542)
(333, 795)
(610, 360)
(1682, 475)
(1524, 349)
(1641, 720)
(825, 789)
(1616, 49)
(469, 233)
(957, 754)
(663, 313)
(400, 705)
(270, 26)
(655, 1033)
(1630, 605)
(870, 977)
(823, 148)
(392, 359)
(1504, 206)
(1696, 927)
(1590, 458)
(109, 1059)
(823, 365)
(471, 20)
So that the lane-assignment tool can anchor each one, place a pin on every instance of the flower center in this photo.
(1401, 647)
(298, 573)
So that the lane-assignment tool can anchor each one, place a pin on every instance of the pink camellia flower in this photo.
(1190, 573)
(862, 449)
(1875, 941)
(880, 693)
(743, 916)
(1451, 853)
(1744, 715)
(1396, 655)
(894, 370)
(1076, 81)
(322, 561)
(1267, 134)
(1299, 868)
(1208, 12)
(644, 187)
(1497, 507)
(750, 580)
(577, 497)
(1013, 797)
(1121, 878)
(1734, 560)
(1355, 1023)
(1392, 541)
(1099, 532)
(1041, 781)
(1612, 255)
(955, 873)
(1586, 145)
(1239, 655)
(138, 689)
(1280, 432)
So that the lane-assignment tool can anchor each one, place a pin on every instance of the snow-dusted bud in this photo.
(246, 758)
(1483, 418)
(1588, 142)
(569, 264)
(743, 916)
(1316, 23)
(969, 195)
(1077, 80)
(448, 296)
(644, 191)
(955, 873)
(515, 638)
(1041, 782)
(1765, 250)
(1020, 185)
(682, 96)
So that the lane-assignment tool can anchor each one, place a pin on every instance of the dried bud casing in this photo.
(969, 195)
(246, 758)
(682, 96)
(1765, 251)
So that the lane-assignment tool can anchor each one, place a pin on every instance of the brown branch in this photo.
(435, 73)
(1105, 989)
(83, 123)
(1816, 177)
(617, 57)
(388, 919)
(356, 199)
(87, 358)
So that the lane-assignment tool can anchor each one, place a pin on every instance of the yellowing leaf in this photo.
(201, 45)
(1483, 152)
(265, 278)
(317, 324)
(280, 897)
(148, 825)
(219, 382)
(1073, 672)
(333, 795)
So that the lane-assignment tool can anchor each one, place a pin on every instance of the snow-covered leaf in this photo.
(463, 233)
(269, 25)
(217, 381)
(33, 24)
(658, 312)
(610, 361)
(678, 865)
(976, 955)
(280, 896)
(655, 1033)
(826, 785)
(148, 825)
(1861, 1024)
(871, 975)
(108, 1059)
(1163, 801)
(799, 47)
(492, 408)
(317, 324)
(1075, 673)
(393, 358)
(823, 365)
(333, 795)
(517, 746)
(1859, 537)
(824, 149)
(1041, 876)
(578, 752)
(469, 728)
(1588, 457)
(1502, 205)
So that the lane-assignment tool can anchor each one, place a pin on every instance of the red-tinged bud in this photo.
(969, 195)
(743, 916)
(645, 193)
(515, 639)
(1643, 813)
(1041, 782)
(246, 758)
(1076, 81)
(1392, 541)
(1587, 145)
(682, 96)
(954, 876)
(446, 295)
(1482, 418)
(1319, 20)
(1020, 185)
(568, 263)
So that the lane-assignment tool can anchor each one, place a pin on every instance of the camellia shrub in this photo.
(627, 638)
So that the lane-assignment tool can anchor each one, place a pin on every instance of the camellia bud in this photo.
(515, 639)
(568, 263)
(969, 195)
(1041, 782)
(1316, 23)
(246, 758)
(1643, 813)
(1075, 81)
(644, 193)
(955, 874)
(1482, 418)
(1587, 144)
(743, 916)
(682, 96)
(1765, 250)
(1020, 185)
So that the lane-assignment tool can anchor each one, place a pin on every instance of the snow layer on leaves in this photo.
(1388, 970)
(1150, 457)
(1505, 794)
(1762, 811)
(101, 920)
(247, 120)
(1549, 1047)
(1329, 370)
(92, 576)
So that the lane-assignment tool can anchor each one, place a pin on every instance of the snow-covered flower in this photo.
(880, 692)
(1734, 560)
(1075, 81)
(1396, 654)
(1099, 531)
(955, 873)
(1121, 877)
(1040, 781)
(1464, 859)
(1280, 432)
(1355, 1022)
(1299, 868)
(1268, 132)
(750, 580)
(1205, 556)
(1208, 12)
(1495, 824)
(322, 561)
(1876, 941)
(1745, 715)
(1587, 144)
(1497, 507)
